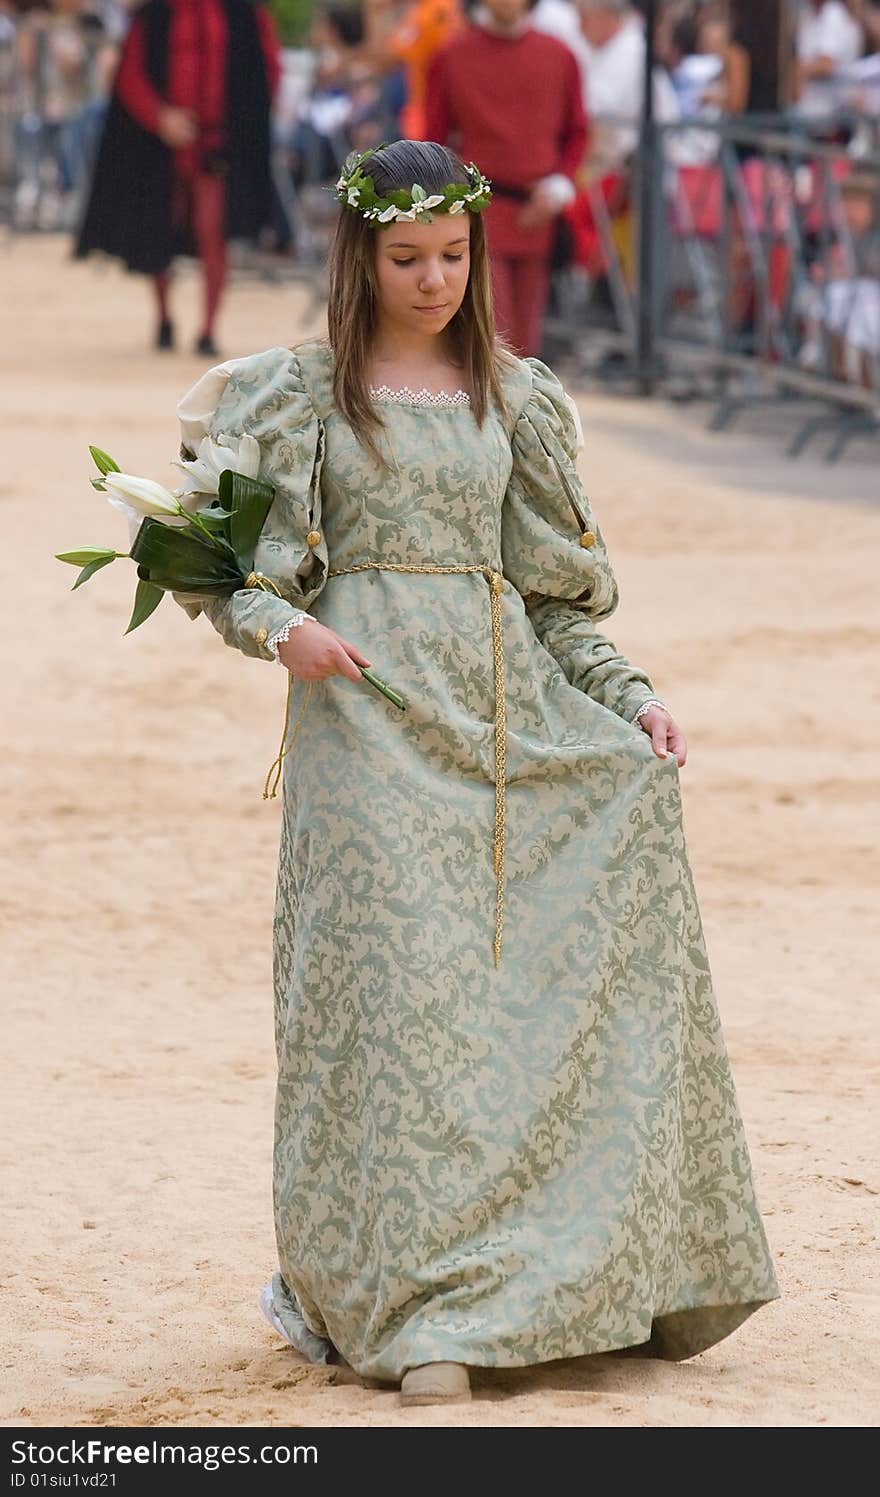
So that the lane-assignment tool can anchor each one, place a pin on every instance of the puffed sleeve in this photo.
(553, 553)
(264, 396)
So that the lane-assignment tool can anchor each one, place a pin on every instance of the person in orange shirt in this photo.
(411, 36)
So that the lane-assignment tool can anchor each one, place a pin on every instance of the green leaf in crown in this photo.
(357, 190)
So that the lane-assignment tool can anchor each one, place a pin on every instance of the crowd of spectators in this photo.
(56, 67)
(378, 69)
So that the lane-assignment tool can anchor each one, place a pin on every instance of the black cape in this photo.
(129, 212)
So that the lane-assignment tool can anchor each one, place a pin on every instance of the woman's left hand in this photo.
(665, 734)
(539, 209)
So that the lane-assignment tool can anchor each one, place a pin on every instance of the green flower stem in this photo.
(192, 518)
(386, 690)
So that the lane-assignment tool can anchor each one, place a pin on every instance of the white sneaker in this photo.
(436, 1382)
(267, 1305)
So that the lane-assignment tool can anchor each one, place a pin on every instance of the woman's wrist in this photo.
(646, 707)
(283, 634)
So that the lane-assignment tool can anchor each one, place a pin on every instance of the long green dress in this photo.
(506, 1129)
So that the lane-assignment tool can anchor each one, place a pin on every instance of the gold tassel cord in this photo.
(278, 763)
(266, 585)
(496, 588)
(256, 579)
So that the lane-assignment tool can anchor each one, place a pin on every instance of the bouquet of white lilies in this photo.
(199, 538)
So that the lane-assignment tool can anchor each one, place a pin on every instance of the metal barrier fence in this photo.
(764, 251)
(51, 113)
(760, 249)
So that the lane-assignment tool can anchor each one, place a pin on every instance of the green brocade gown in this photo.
(506, 1129)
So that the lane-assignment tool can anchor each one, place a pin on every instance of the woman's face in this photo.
(422, 272)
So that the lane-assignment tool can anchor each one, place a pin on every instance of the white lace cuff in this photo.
(651, 702)
(283, 633)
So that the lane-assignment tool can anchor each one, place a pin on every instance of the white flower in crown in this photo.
(341, 183)
(388, 214)
(408, 217)
(457, 207)
(354, 196)
(421, 203)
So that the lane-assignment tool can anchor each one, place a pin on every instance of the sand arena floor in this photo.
(137, 884)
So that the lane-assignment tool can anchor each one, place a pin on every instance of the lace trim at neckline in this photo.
(406, 396)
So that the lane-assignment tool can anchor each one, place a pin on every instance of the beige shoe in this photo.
(436, 1382)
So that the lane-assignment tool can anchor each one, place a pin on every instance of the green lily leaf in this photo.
(85, 555)
(91, 569)
(249, 501)
(192, 584)
(184, 559)
(103, 462)
(210, 587)
(147, 598)
(216, 519)
(418, 193)
(97, 484)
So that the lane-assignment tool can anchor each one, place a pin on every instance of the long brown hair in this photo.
(353, 311)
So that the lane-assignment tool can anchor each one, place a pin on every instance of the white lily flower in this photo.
(136, 498)
(214, 456)
(140, 494)
(432, 202)
(456, 207)
(388, 214)
(354, 197)
(410, 217)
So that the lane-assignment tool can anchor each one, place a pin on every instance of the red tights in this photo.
(205, 194)
(520, 287)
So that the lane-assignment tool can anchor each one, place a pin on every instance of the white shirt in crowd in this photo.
(827, 31)
(615, 87)
(693, 76)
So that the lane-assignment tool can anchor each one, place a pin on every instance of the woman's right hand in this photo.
(313, 652)
(178, 128)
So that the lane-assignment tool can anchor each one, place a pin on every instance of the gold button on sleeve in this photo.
(313, 538)
(261, 636)
(588, 538)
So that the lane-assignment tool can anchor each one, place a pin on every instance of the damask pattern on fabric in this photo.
(495, 1165)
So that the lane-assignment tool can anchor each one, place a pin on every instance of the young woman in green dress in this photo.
(505, 1127)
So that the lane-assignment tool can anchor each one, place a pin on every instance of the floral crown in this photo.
(356, 189)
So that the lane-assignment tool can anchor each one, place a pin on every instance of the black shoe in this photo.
(165, 335)
(207, 346)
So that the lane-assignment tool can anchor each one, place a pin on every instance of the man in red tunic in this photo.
(195, 82)
(509, 98)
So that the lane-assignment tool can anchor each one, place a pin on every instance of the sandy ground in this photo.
(138, 882)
